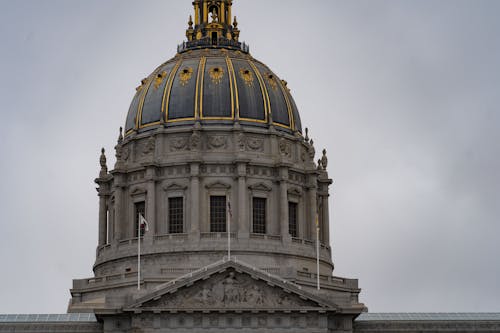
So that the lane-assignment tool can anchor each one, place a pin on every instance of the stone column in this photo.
(194, 229)
(326, 221)
(103, 219)
(243, 227)
(119, 209)
(285, 233)
(311, 221)
(150, 206)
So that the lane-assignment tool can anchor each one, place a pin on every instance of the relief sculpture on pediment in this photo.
(230, 290)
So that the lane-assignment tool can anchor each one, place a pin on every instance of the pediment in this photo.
(295, 191)
(174, 187)
(260, 187)
(218, 185)
(138, 191)
(231, 287)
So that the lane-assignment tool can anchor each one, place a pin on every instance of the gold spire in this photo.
(213, 26)
(212, 20)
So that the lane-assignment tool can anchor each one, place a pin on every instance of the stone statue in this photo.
(120, 137)
(231, 291)
(312, 151)
(104, 167)
(254, 296)
(215, 17)
(324, 160)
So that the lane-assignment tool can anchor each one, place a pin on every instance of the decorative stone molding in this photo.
(260, 187)
(230, 290)
(241, 141)
(217, 142)
(255, 144)
(285, 148)
(295, 191)
(137, 191)
(217, 185)
(178, 143)
(195, 141)
(174, 187)
(148, 147)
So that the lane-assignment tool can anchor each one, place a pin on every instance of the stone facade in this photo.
(213, 157)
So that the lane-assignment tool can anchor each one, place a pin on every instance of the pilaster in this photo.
(313, 207)
(151, 205)
(243, 224)
(194, 228)
(284, 227)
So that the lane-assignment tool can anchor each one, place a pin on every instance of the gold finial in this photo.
(235, 22)
(190, 22)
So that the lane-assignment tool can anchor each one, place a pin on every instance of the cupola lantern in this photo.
(212, 26)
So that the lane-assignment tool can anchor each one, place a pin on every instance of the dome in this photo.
(214, 85)
(214, 160)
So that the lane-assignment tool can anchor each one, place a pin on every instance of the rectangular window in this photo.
(292, 219)
(217, 214)
(176, 215)
(139, 208)
(259, 215)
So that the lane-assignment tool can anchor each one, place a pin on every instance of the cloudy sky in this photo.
(404, 95)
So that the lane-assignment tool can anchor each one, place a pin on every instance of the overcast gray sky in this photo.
(403, 94)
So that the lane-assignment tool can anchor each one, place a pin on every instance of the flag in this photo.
(144, 226)
(229, 209)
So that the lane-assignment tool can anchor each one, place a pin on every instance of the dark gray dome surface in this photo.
(214, 86)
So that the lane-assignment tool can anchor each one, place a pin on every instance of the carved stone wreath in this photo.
(178, 144)
(217, 142)
(255, 144)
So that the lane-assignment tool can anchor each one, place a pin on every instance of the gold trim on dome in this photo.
(247, 76)
(235, 85)
(185, 76)
(229, 74)
(150, 124)
(144, 93)
(289, 106)
(216, 74)
(197, 89)
(263, 90)
(168, 88)
(202, 70)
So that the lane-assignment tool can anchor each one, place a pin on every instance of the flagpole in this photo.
(139, 254)
(229, 231)
(317, 252)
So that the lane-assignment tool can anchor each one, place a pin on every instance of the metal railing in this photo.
(208, 42)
